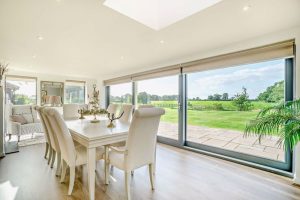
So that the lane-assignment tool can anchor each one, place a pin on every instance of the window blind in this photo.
(283, 49)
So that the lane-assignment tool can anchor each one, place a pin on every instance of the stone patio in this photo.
(227, 139)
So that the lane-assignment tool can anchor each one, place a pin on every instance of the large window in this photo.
(20, 90)
(75, 92)
(162, 92)
(222, 101)
(209, 102)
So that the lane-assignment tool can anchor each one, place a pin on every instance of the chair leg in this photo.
(46, 151)
(53, 158)
(127, 185)
(72, 179)
(50, 155)
(151, 175)
(19, 138)
(9, 136)
(63, 171)
(58, 167)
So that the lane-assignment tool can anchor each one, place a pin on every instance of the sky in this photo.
(255, 77)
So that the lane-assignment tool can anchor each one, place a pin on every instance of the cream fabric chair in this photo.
(128, 110)
(70, 111)
(71, 155)
(146, 106)
(112, 108)
(48, 141)
(140, 145)
(55, 148)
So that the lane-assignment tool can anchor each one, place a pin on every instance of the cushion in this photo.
(18, 118)
(28, 117)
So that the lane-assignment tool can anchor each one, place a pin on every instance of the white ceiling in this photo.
(85, 38)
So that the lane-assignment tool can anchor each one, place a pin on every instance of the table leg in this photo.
(106, 165)
(91, 166)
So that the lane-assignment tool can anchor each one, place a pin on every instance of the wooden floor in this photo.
(181, 175)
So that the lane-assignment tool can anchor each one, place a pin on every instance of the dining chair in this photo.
(146, 106)
(70, 111)
(140, 145)
(55, 148)
(47, 138)
(128, 110)
(71, 155)
(112, 108)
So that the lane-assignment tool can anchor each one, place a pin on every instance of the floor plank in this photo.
(181, 175)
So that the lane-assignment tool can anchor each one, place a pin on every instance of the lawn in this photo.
(233, 120)
(203, 113)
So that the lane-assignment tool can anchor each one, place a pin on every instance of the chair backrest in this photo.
(67, 147)
(50, 128)
(141, 141)
(38, 110)
(112, 108)
(70, 111)
(128, 110)
(146, 106)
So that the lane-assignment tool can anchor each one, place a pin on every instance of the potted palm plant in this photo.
(282, 120)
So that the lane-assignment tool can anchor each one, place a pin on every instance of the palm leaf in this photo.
(282, 120)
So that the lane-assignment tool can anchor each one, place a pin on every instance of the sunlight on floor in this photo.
(7, 191)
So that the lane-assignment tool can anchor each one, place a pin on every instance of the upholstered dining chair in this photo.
(128, 110)
(47, 138)
(71, 155)
(112, 108)
(55, 148)
(146, 106)
(70, 111)
(140, 145)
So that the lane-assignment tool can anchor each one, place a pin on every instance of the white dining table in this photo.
(93, 135)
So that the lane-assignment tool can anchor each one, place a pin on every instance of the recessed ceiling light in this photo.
(122, 57)
(162, 41)
(34, 56)
(246, 8)
(39, 37)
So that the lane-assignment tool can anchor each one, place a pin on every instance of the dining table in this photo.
(93, 135)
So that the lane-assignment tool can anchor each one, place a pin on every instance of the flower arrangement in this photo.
(94, 106)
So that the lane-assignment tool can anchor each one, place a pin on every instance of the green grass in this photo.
(203, 113)
(207, 105)
(233, 120)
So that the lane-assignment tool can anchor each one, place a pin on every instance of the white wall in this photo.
(293, 33)
(58, 78)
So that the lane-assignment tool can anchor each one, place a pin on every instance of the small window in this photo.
(75, 92)
(20, 90)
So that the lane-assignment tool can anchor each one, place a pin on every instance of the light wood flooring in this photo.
(181, 175)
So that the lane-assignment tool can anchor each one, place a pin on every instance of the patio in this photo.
(227, 139)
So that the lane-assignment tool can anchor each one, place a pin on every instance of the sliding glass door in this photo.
(222, 101)
(162, 92)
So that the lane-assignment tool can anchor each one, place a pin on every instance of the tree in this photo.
(143, 98)
(225, 96)
(274, 93)
(217, 97)
(241, 101)
(210, 97)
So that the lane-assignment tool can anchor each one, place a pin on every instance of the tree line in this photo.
(274, 93)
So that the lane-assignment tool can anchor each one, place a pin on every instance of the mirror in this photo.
(52, 93)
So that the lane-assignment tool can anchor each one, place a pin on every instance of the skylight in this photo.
(158, 14)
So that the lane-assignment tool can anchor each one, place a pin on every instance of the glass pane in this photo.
(222, 101)
(162, 92)
(20, 91)
(74, 92)
(121, 93)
